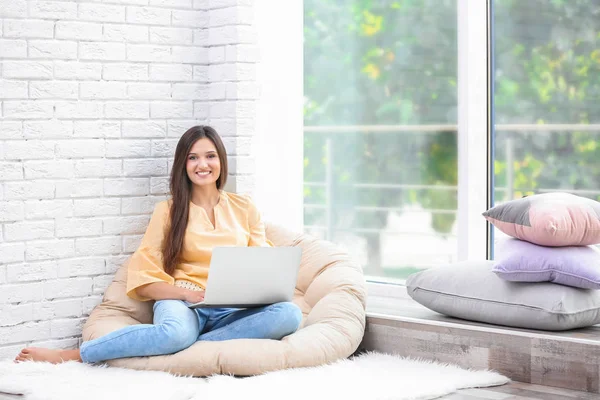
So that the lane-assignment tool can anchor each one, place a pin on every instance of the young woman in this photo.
(171, 265)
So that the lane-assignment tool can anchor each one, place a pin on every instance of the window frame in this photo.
(278, 143)
(475, 115)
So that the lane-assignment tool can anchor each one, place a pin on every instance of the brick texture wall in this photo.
(93, 97)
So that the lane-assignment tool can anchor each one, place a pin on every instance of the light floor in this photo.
(511, 391)
(520, 391)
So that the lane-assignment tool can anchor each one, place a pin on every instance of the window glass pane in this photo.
(380, 141)
(547, 87)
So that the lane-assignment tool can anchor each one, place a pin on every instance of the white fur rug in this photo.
(372, 376)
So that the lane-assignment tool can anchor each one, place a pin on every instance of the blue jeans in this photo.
(176, 327)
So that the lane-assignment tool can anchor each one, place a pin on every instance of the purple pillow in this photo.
(520, 261)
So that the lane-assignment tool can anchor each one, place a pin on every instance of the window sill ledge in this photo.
(397, 324)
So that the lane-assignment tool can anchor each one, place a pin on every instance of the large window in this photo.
(386, 116)
(380, 130)
(547, 88)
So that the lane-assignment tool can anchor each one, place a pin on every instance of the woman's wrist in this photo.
(190, 296)
(184, 294)
(163, 291)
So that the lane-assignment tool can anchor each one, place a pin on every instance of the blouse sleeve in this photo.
(146, 264)
(256, 227)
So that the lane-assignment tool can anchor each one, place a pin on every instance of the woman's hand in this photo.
(193, 296)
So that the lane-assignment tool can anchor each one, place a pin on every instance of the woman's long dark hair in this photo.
(181, 191)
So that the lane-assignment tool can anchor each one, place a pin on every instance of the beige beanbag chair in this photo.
(330, 291)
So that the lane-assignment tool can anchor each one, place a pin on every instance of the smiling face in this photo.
(203, 166)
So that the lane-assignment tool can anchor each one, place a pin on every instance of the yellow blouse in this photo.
(237, 223)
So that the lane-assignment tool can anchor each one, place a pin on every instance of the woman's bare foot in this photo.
(48, 355)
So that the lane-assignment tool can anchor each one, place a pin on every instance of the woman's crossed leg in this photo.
(175, 327)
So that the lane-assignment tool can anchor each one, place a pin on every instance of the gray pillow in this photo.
(470, 290)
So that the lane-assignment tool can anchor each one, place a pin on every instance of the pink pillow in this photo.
(549, 219)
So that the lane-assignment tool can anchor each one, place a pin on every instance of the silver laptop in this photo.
(244, 277)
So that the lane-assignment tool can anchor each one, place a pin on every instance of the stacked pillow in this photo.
(543, 277)
(552, 237)
(549, 219)
(520, 261)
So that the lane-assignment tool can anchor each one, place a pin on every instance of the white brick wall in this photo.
(94, 95)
